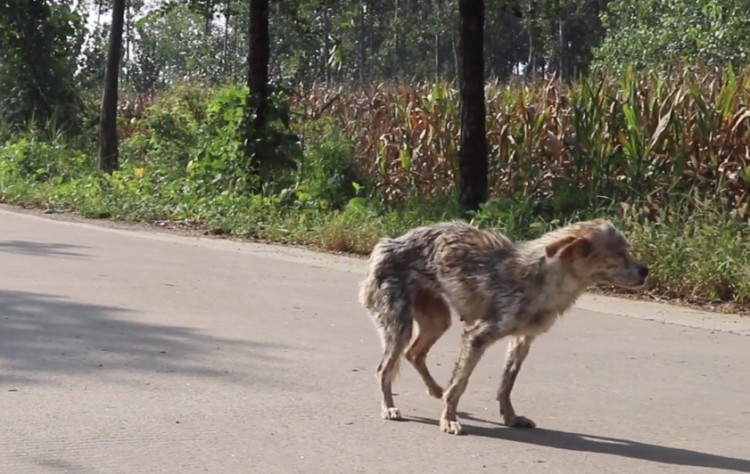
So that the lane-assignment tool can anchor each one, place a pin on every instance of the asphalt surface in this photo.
(131, 351)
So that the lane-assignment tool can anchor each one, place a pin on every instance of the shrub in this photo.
(329, 175)
(29, 159)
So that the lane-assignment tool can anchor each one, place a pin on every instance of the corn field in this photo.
(645, 139)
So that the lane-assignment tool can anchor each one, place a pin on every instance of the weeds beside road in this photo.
(665, 157)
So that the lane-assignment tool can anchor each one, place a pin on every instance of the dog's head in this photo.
(597, 252)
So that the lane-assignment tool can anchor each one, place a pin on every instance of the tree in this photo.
(472, 160)
(108, 153)
(257, 79)
(344, 41)
(171, 45)
(40, 41)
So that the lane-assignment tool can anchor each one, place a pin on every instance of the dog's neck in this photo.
(550, 286)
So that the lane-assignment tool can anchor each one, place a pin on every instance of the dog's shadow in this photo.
(598, 444)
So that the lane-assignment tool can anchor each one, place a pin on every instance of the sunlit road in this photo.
(129, 351)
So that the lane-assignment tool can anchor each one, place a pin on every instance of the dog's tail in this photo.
(376, 274)
(385, 294)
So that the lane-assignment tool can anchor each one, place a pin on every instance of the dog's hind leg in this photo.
(433, 318)
(518, 349)
(395, 327)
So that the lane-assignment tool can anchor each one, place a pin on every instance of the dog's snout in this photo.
(643, 271)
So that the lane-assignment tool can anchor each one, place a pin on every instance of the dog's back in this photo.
(401, 259)
(438, 259)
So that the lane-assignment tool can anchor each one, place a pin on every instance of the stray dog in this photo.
(496, 286)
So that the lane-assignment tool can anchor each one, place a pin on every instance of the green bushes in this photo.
(329, 175)
(28, 158)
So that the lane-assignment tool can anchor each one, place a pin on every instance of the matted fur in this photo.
(496, 287)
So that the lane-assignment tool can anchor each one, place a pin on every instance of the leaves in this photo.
(40, 43)
(658, 35)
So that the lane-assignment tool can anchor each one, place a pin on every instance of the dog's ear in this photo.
(580, 247)
(569, 247)
(554, 247)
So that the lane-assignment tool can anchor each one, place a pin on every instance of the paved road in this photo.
(138, 352)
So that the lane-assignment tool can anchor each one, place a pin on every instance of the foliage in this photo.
(329, 176)
(197, 132)
(371, 40)
(561, 35)
(173, 45)
(31, 158)
(40, 41)
(657, 34)
(361, 41)
(698, 255)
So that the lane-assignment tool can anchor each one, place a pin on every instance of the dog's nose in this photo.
(643, 271)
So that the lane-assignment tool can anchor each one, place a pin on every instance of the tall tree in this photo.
(108, 153)
(39, 43)
(257, 78)
(472, 159)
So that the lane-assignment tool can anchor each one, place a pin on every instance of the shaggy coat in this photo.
(495, 286)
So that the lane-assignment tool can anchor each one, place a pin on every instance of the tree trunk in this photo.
(128, 34)
(233, 73)
(108, 155)
(326, 45)
(225, 46)
(456, 67)
(561, 66)
(472, 160)
(373, 21)
(207, 20)
(530, 63)
(438, 25)
(361, 44)
(259, 52)
(396, 58)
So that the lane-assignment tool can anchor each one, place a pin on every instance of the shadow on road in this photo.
(599, 445)
(42, 335)
(41, 249)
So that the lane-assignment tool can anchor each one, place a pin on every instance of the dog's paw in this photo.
(391, 414)
(451, 427)
(520, 422)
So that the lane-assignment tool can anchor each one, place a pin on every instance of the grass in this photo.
(665, 158)
(695, 259)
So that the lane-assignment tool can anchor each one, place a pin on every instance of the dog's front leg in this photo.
(518, 349)
(474, 342)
